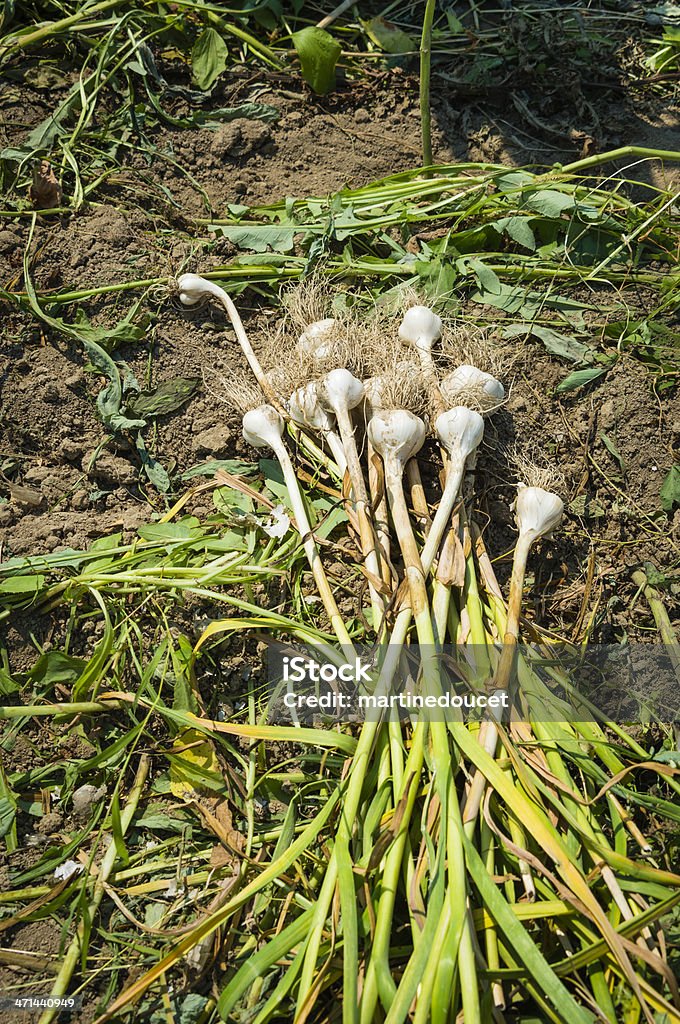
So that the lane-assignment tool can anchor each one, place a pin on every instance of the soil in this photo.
(67, 482)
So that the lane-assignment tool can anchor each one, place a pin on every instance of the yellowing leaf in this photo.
(194, 768)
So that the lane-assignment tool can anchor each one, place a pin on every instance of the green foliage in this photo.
(208, 58)
(318, 53)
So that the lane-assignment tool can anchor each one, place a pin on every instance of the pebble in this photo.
(213, 441)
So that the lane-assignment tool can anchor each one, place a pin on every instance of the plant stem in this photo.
(425, 72)
(618, 154)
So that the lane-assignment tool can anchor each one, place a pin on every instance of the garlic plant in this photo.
(305, 410)
(263, 428)
(194, 290)
(340, 392)
(460, 432)
(420, 329)
(315, 340)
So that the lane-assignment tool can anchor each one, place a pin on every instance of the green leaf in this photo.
(56, 667)
(157, 473)
(22, 585)
(108, 337)
(518, 229)
(318, 53)
(209, 468)
(388, 36)
(7, 815)
(185, 529)
(564, 345)
(579, 378)
(549, 203)
(167, 397)
(208, 58)
(109, 400)
(613, 450)
(670, 489)
(259, 237)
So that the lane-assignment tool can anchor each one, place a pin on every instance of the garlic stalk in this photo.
(467, 383)
(460, 432)
(194, 289)
(263, 428)
(372, 404)
(537, 513)
(397, 436)
(305, 410)
(419, 329)
(339, 392)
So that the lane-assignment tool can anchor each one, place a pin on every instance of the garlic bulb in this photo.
(397, 435)
(192, 289)
(471, 384)
(460, 431)
(305, 410)
(315, 341)
(537, 512)
(263, 427)
(420, 328)
(340, 391)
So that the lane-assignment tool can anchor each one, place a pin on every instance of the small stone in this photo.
(213, 441)
(85, 796)
(51, 394)
(361, 115)
(71, 450)
(80, 500)
(608, 415)
(240, 188)
(110, 469)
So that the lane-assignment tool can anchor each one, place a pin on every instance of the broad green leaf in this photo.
(194, 768)
(579, 378)
(318, 53)
(22, 585)
(54, 667)
(109, 337)
(518, 229)
(110, 399)
(488, 278)
(228, 500)
(208, 58)
(209, 468)
(564, 345)
(549, 203)
(388, 36)
(185, 529)
(613, 450)
(670, 489)
(166, 397)
(259, 237)
(191, 1009)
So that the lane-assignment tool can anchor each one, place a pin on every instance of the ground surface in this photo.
(66, 481)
